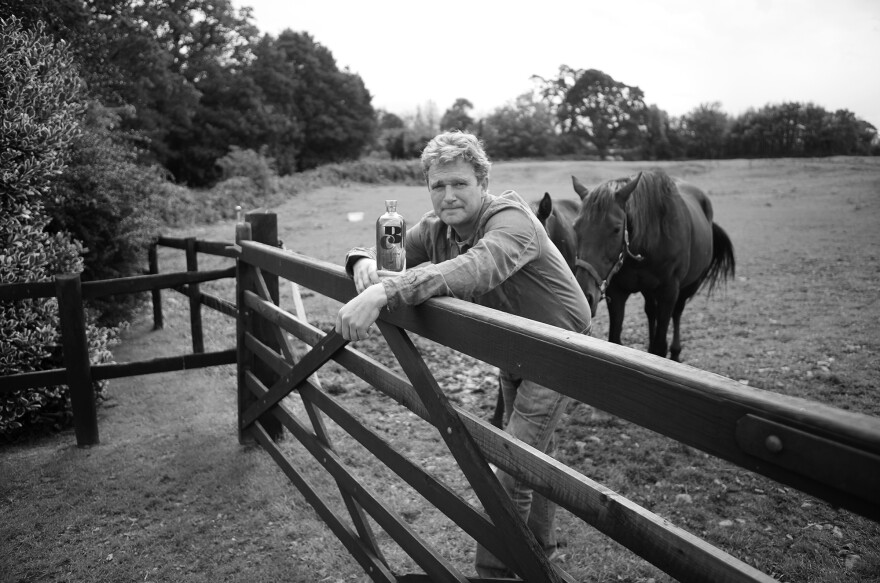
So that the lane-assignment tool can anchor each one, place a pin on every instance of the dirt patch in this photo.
(170, 495)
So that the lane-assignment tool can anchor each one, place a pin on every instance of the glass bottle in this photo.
(391, 239)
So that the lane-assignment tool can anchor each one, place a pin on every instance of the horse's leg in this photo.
(616, 304)
(683, 296)
(651, 313)
(666, 299)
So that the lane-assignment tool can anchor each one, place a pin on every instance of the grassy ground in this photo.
(170, 495)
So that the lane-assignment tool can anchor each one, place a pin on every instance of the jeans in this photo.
(533, 412)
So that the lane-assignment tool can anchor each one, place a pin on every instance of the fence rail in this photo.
(827, 452)
(78, 373)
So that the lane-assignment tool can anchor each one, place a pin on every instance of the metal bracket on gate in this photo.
(846, 468)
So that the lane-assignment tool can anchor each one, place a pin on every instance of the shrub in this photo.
(248, 164)
(39, 107)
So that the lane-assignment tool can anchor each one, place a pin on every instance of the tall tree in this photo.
(662, 139)
(521, 129)
(705, 128)
(332, 108)
(457, 117)
(592, 107)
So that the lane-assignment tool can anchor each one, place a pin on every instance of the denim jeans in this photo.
(534, 412)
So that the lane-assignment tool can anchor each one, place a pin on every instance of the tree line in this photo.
(588, 113)
(187, 81)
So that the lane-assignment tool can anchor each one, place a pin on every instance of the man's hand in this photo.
(355, 318)
(365, 274)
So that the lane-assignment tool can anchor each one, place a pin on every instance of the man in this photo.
(491, 250)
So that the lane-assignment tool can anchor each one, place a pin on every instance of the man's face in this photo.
(457, 195)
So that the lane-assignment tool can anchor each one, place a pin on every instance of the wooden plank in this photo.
(313, 360)
(156, 294)
(358, 517)
(10, 292)
(434, 564)
(141, 283)
(695, 407)
(262, 228)
(529, 559)
(173, 242)
(219, 248)
(222, 305)
(675, 551)
(32, 380)
(164, 364)
(75, 347)
(845, 467)
(243, 326)
(369, 562)
(195, 306)
(471, 521)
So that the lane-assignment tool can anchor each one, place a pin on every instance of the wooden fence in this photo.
(79, 374)
(826, 452)
(823, 451)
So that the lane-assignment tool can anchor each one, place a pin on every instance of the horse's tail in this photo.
(723, 264)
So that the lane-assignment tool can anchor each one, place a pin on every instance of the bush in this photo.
(249, 164)
(39, 108)
(105, 199)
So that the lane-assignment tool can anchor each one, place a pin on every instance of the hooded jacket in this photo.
(508, 263)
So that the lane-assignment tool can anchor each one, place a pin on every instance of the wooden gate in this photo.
(826, 452)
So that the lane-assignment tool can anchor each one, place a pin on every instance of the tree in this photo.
(705, 130)
(795, 129)
(456, 117)
(334, 120)
(662, 139)
(150, 59)
(593, 108)
(521, 129)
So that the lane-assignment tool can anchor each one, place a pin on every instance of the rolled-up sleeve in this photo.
(510, 241)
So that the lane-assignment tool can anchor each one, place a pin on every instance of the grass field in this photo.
(169, 495)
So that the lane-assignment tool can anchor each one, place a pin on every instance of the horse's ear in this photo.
(545, 207)
(581, 190)
(622, 195)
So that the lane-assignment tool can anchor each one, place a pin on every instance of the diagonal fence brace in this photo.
(312, 361)
(531, 563)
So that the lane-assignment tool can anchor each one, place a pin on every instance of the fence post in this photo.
(195, 304)
(158, 321)
(266, 227)
(75, 346)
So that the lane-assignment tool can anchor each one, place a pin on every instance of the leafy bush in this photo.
(39, 107)
(105, 199)
(249, 164)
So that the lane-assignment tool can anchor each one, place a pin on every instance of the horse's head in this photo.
(602, 238)
(559, 229)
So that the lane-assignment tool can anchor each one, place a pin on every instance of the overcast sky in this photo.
(681, 53)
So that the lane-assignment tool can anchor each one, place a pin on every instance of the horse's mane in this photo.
(646, 210)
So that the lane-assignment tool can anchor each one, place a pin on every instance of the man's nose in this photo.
(450, 193)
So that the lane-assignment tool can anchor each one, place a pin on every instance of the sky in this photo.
(680, 53)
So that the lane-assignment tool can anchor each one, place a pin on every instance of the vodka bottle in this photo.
(391, 239)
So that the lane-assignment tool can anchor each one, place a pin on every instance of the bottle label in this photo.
(392, 236)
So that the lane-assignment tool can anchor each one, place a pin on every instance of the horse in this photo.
(653, 234)
(558, 221)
